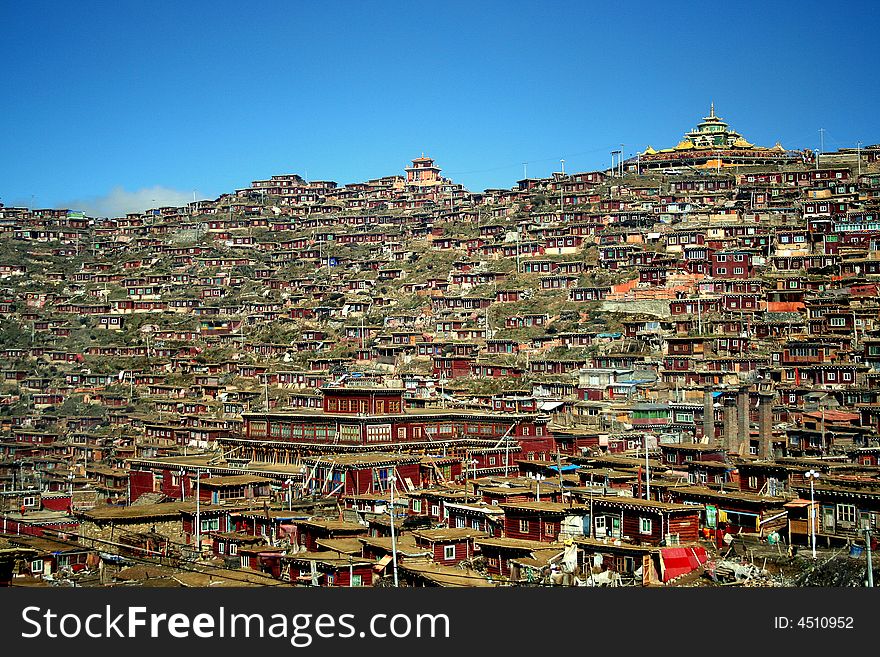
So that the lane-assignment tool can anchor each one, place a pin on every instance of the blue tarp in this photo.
(565, 468)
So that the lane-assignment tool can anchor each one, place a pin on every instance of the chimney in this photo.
(765, 426)
(728, 439)
(743, 420)
(708, 417)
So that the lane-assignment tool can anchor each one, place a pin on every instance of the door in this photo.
(827, 520)
(601, 528)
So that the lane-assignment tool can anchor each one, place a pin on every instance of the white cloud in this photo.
(119, 201)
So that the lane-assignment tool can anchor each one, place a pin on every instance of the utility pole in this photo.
(858, 160)
(812, 475)
(559, 468)
(518, 228)
(393, 538)
(868, 554)
(198, 516)
(647, 472)
(620, 163)
(525, 170)
(699, 313)
(561, 190)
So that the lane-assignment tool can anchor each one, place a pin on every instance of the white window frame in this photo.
(210, 524)
(37, 566)
(846, 514)
(646, 525)
(523, 526)
(447, 549)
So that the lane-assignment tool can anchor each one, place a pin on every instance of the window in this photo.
(417, 506)
(846, 514)
(549, 529)
(379, 433)
(435, 509)
(753, 482)
(459, 522)
(524, 526)
(210, 524)
(448, 552)
(29, 501)
(37, 566)
(737, 270)
(233, 549)
(221, 548)
(357, 580)
(645, 525)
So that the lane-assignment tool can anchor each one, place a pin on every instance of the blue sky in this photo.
(108, 105)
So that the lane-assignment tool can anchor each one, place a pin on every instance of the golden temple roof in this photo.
(684, 145)
(649, 151)
(742, 143)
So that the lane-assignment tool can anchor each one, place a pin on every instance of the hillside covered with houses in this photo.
(643, 375)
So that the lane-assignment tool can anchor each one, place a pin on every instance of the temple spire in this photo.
(712, 109)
